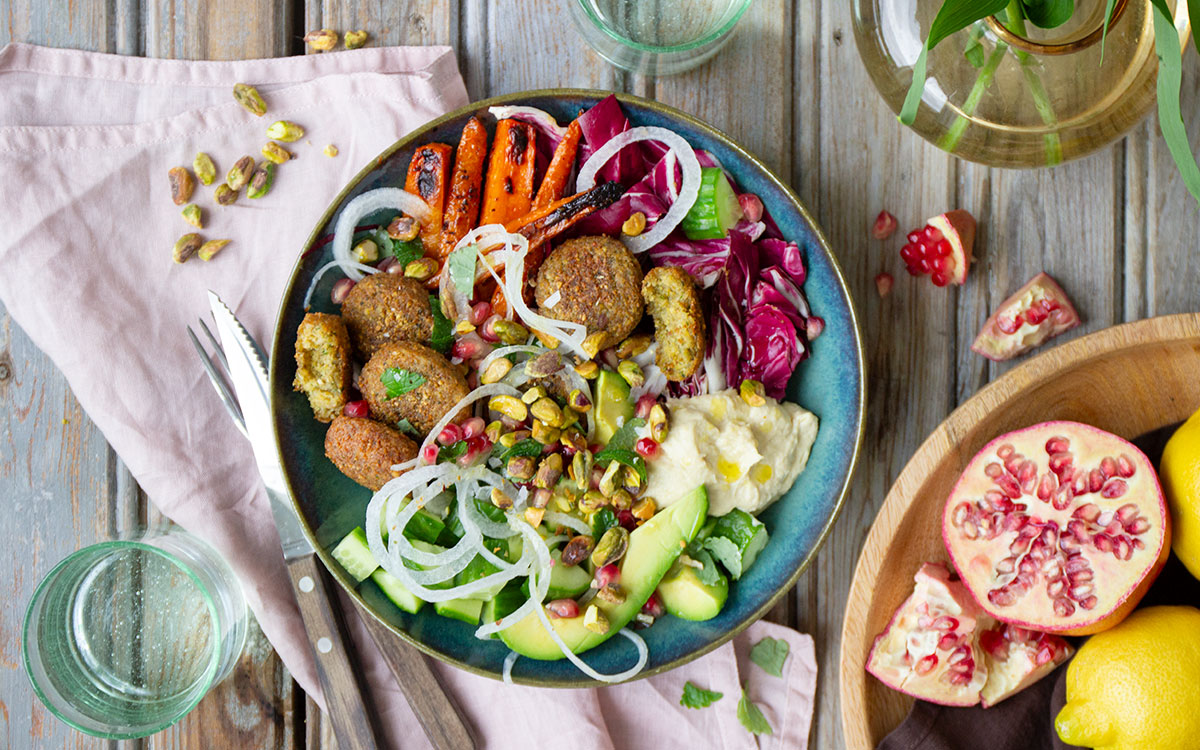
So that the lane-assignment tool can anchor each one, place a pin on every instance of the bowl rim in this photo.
(1053, 363)
(350, 587)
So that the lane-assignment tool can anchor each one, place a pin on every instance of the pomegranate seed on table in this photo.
(883, 284)
(752, 206)
(356, 409)
(885, 224)
(646, 447)
(341, 288)
(450, 434)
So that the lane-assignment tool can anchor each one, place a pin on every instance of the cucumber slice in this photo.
(566, 582)
(716, 209)
(395, 591)
(424, 526)
(746, 532)
(353, 554)
(467, 610)
(503, 604)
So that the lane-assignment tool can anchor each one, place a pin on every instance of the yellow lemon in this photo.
(1179, 472)
(1134, 687)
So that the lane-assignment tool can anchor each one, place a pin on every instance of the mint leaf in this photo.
(461, 267)
(622, 456)
(770, 654)
(527, 447)
(443, 330)
(398, 381)
(407, 428)
(707, 573)
(406, 252)
(626, 435)
(726, 553)
(452, 452)
(751, 716)
(698, 697)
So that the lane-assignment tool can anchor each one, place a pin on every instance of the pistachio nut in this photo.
(577, 550)
(611, 593)
(204, 168)
(248, 97)
(547, 411)
(544, 365)
(534, 394)
(403, 228)
(421, 269)
(510, 331)
(501, 499)
(548, 472)
(493, 431)
(594, 343)
(563, 499)
(579, 401)
(634, 345)
(533, 516)
(634, 225)
(239, 174)
(752, 392)
(592, 501)
(570, 417)
(643, 509)
(574, 439)
(275, 153)
(182, 185)
(186, 247)
(211, 248)
(621, 499)
(510, 406)
(611, 547)
(595, 620)
(285, 130)
(633, 480)
(657, 420)
(588, 370)
(544, 433)
(521, 467)
(366, 251)
(612, 474)
(331, 150)
(321, 40)
(540, 498)
(632, 374)
(581, 469)
(547, 341)
(193, 215)
(225, 195)
(261, 182)
(495, 372)
(356, 39)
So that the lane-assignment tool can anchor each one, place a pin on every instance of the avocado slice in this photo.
(653, 547)
(613, 405)
(688, 598)
(566, 582)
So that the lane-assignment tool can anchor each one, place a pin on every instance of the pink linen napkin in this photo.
(86, 271)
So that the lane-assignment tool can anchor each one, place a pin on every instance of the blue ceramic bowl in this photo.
(830, 383)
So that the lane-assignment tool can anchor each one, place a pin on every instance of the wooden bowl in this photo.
(1129, 379)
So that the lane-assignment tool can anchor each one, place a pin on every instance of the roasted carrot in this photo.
(466, 185)
(554, 184)
(429, 178)
(508, 190)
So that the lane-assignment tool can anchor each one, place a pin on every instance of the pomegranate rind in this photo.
(997, 345)
(904, 643)
(958, 227)
(1019, 659)
(1115, 582)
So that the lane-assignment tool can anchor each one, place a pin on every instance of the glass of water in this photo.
(123, 638)
(657, 37)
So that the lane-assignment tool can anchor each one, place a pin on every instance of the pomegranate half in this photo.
(1059, 527)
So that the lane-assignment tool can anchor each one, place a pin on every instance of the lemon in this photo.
(1179, 472)
(1134, 687)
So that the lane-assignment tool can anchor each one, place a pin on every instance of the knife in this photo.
(354, 722)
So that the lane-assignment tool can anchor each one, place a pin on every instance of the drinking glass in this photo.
(656, 37)
(123, 638)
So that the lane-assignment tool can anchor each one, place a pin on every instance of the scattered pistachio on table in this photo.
(356, 39)
(211, 248)
(331, 150)
(321, 40)
(204, 168)
(275, 153)
(248, 96)
(261, 181)
(240, 173)
(193, 215)
(185, 247)
(225, 195)
(182, 185)
(286, 131)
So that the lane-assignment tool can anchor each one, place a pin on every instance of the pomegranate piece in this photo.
(929, 649)
(1059, 527)
(942, 248)
(1016, 658)
(885, 224)
(1036, 313)
(883, 284)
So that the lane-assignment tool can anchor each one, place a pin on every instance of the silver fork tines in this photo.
(217, 367)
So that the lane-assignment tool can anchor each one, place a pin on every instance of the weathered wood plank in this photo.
(415, 22)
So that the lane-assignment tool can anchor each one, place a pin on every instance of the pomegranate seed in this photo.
(340, 289)
(1036, 315)
(644, 405)
(473, 427)
(926, 664)
(943, 249)
(605, 575)
(488, 330)
(627, 520)
(910, 253)
(1007, 326)
(386, 265)
(884, 225)
(914, 237)
(913, 269)
(940, 279)
(563, 608)
(429, 453)
(1057, 445)
(646, 447)
(476, 447)
(752, 206)
(450, 434)
(813, 327)
(931, 235)
(942, 265)
(654, 606)
(479, 313)
(883, 284)
(356, 409)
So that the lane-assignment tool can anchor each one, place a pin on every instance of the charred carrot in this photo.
(466, 185)
(508, 190)
(554, 184)
(429, 178)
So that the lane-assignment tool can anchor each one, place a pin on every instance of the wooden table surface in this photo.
(1116, 229)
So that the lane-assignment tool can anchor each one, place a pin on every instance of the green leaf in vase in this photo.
(1170, 81)
(1048, 14)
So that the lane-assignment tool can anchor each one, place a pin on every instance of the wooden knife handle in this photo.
(355, 723)
(440, 716)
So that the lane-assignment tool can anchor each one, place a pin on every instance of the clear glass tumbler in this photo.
(123, 638)
(657, 37)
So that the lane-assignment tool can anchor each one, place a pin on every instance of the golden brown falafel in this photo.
(443, 386)
(323, 366)
(366, 450)
(672, 301)
(599, 282)
(384, 308)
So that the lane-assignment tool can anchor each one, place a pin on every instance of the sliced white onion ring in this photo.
(483, 391)
(312, 285)
(365, 205)
(571, 522)
(638, 641)
(508, 665)
(687, 191)
(533, 116)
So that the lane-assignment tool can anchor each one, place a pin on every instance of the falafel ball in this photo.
(366, 450)
(323, 367)
(439, 387)
(384, 308)
(672, 301)
(600, 286)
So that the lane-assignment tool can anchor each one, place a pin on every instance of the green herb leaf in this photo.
(626, 435)
(461, 266)
(953, 16)
(708, 573)
(603, 520)
(407, 427)
(526, 447)
(443, 330)
(770, 654)
(406, 252)
(1170, 81)
(452, 452)
(727, 553)
(751, 715)
(1194, 13)
(1048, 14)
(398, 381)
(974, 49)
(698, 697)
(623, 456)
